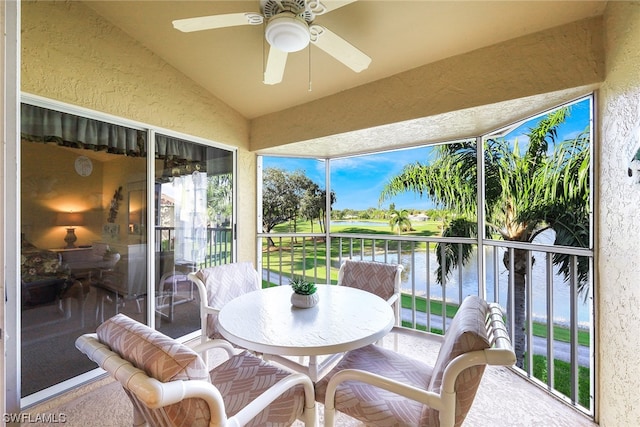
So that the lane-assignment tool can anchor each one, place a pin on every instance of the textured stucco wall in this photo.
(70, 54)
(563, 57)
(618, 295)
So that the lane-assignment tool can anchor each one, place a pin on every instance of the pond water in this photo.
(424, 266)
(360, 223)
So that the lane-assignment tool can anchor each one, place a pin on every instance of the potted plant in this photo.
(304, 293)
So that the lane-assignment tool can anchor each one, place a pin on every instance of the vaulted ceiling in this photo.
(398, 36)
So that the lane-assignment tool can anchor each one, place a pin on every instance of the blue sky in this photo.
(358, 181)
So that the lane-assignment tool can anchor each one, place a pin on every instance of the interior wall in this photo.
(72, 55)
(125, 172)
(51, 185)
(618, 295)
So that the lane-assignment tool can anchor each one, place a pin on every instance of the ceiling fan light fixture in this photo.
(288, 32)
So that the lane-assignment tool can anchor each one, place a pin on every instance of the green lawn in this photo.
(313, 263)
(562, 378)
(419, 228)
(539, 329)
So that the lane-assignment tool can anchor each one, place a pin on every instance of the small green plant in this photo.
(302, 287)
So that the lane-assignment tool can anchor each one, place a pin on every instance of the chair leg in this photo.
(329, 417)
(81, 300)
(311, 416)
(138, 418)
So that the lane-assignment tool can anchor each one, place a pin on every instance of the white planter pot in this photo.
(304, 301)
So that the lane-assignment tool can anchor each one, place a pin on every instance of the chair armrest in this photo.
(265, 399)
(202, 289)
(497, 330)
(501, 353)
(419, 395)
(205, 308)
(204, 298)
(395, 297)
(152, 392)
(215, 344)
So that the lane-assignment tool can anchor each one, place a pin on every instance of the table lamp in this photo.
(70, 220)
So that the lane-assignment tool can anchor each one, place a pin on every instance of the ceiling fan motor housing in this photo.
(271, 8)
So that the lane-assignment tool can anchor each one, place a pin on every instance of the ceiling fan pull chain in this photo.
(309, 47)
(264, 54)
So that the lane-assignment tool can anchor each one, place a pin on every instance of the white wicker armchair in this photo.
(169, 383)
(381, 387)
(219, 285)
(376, 277)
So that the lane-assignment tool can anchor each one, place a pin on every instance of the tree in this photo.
(313, 205)
(219, 199)
(286, 196)
(525, 194)
(277, 203)
(400, 219)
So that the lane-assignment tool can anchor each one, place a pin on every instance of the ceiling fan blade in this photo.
(330, 5)
(276, 62)
(217, 21)
(339, 48)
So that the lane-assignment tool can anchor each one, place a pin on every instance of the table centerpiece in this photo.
(304, 293)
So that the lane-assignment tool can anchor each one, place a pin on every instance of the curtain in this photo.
(180, 157)
(190, 217)
(51, 126)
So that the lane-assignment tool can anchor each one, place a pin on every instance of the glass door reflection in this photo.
(194, 193)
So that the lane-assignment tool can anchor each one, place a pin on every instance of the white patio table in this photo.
(344, 319)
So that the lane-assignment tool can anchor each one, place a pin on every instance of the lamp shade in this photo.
(135, 217)
(69, 219)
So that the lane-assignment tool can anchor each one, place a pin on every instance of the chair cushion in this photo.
(375, 277)
(466, 333)
(243, 377)
(224, 283)
(158, 355)
(367, 402)
(162, 358)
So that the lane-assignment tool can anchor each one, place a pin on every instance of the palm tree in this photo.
(400, 219)
(525, 194)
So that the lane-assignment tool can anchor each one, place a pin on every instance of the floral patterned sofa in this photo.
(43, 277)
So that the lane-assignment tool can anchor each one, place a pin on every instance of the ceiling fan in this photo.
(290, 28)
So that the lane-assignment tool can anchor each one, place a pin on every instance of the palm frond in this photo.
(453, 256)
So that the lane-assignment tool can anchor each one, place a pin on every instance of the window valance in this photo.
(179, 156)
(51, 126)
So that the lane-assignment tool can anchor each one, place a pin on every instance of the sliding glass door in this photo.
(106, 230)
(83, 246)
